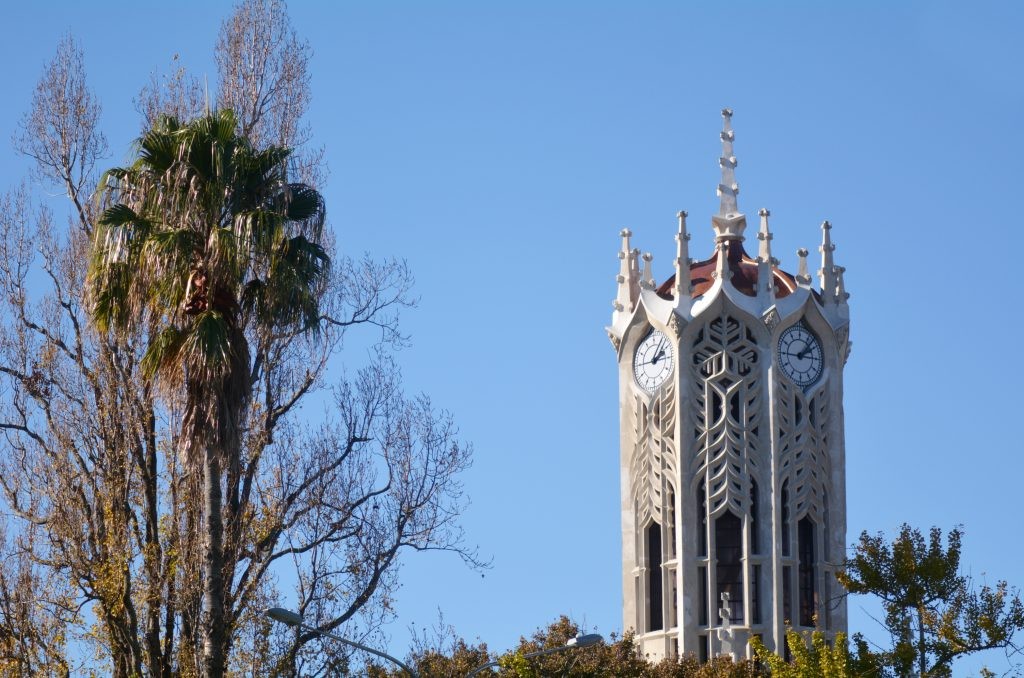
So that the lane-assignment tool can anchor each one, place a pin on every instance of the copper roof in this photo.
(744, 274)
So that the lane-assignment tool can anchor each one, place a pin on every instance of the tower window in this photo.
(673, 618)
(655, 620)
(729, 563)
(702, 511)
(755, 537)
(787, 594)
(755, 595)
(785, 519)
(702, 615)
(805, 537)
(672, 523)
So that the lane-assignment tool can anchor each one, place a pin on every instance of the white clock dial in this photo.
(652, 363)
(800, 355)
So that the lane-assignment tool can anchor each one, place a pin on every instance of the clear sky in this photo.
(500, 146)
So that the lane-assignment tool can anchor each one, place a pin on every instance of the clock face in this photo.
(800, 355)
(652, 363)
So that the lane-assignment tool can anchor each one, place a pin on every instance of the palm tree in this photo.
(202, 243)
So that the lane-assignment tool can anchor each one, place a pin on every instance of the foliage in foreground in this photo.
(450, 657)
(126, 441)
(933, 611)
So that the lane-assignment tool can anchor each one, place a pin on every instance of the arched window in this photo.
(655, 617)
(805, 547)
(729, 563)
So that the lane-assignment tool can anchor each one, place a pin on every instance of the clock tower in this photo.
(732, 445)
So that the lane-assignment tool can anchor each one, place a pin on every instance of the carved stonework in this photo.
(677, 324)
(771, 319)
(843, 340)
(614, 339)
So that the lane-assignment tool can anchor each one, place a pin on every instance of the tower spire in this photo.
(729, 222)
(827, 272)
(683, 287)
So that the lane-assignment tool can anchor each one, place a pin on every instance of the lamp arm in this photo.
(360, 646)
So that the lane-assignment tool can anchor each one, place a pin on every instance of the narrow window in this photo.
(673, 619)
(755, 537)
(654, 580)
(672, 523)
(703, 651)
(785, 519)
(755, 595)
(826, 554)
(805, 539)
(787, 594)
(702, 617)
(702, 500)
(729, 564)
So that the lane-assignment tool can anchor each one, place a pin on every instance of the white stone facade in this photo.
(732, 446)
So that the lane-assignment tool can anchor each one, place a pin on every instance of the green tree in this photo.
(818, 659)
(204, 237)
(103, 511)
(614, 658)
(934, 612)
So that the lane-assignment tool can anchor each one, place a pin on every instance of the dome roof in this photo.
(744, 274)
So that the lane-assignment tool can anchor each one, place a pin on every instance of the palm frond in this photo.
(307, 205)
(110, 285)
(162, 353)
(121, 215)
(206, 349)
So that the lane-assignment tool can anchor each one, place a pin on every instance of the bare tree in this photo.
(177, 93)
(104, 515)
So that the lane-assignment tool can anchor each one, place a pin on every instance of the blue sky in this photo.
(499, 147)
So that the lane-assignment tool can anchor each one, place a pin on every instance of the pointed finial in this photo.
(683, 287)
(729, 222)
(764, 236)
(647, 280)
(627, 281)
(827, 273)
(634, 274)
(803, 278)
(722, 261)
(765, 261)
(841, 294)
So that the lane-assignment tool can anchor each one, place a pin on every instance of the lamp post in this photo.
(581, 640)
(279, 614)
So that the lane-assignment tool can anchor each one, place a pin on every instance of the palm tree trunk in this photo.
(213, 557)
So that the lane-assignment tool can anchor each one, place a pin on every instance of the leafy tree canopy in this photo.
(933, 611)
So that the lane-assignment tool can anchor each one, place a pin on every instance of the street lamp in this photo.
(581, 640)
(279, 614)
